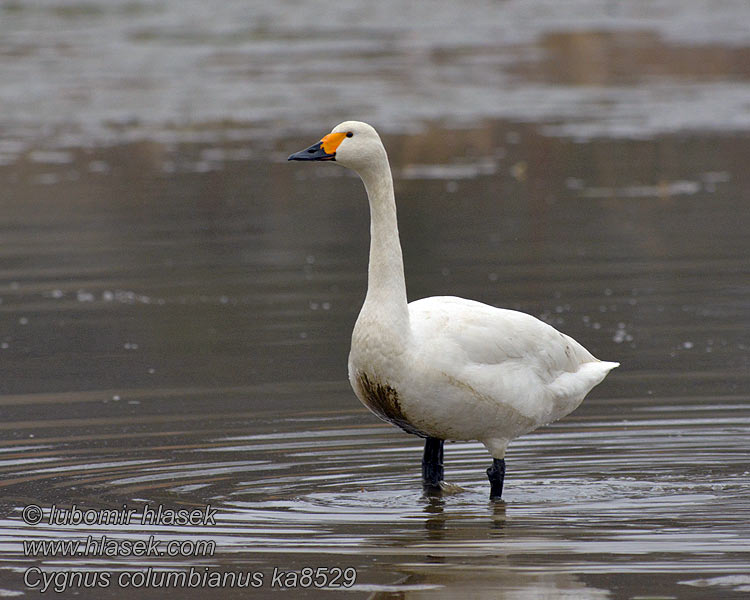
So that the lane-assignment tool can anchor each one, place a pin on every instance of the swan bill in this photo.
(325, 149)
(314, 152)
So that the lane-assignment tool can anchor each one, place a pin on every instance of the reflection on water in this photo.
(176, 333)
(113, 71)
(612, 58)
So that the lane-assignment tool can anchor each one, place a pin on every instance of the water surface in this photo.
(110, 71)
(179, 336)
(176, 300)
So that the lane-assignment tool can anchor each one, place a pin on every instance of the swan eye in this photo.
(349, 134)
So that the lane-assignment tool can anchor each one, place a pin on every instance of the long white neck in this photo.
(386, 288)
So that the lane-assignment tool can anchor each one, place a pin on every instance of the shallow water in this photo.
(176, 300)
(180, 337)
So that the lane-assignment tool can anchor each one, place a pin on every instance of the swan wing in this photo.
(481, 334)
(511, 357)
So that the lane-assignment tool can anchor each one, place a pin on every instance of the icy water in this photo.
(176, 299)
(181, 339)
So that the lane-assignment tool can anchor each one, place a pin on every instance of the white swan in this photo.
(444, 367)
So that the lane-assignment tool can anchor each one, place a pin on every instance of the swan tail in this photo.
(579, 383)
(608, 365)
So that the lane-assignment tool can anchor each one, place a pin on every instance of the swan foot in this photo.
(496, 475)
(432, 463)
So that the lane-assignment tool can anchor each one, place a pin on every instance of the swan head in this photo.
(352, 144)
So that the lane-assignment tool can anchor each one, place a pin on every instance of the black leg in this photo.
(496, 475)
(432, 462)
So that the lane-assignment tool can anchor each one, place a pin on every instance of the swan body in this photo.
(469, 371)
(447, 368)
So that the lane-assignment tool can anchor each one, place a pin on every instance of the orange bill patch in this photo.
(332, 141)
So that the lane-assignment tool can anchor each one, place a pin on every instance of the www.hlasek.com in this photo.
(107, 546)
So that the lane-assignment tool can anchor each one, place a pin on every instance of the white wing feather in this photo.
(523, 363)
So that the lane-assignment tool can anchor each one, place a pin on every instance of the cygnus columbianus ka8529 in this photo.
(446, 368)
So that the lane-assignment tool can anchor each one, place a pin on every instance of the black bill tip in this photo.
(314, 152)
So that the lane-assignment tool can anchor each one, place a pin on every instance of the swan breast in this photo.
(383, 400)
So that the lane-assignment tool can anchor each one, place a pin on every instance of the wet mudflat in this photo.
(178, 336)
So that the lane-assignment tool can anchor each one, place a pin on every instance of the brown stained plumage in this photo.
(383, 400)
